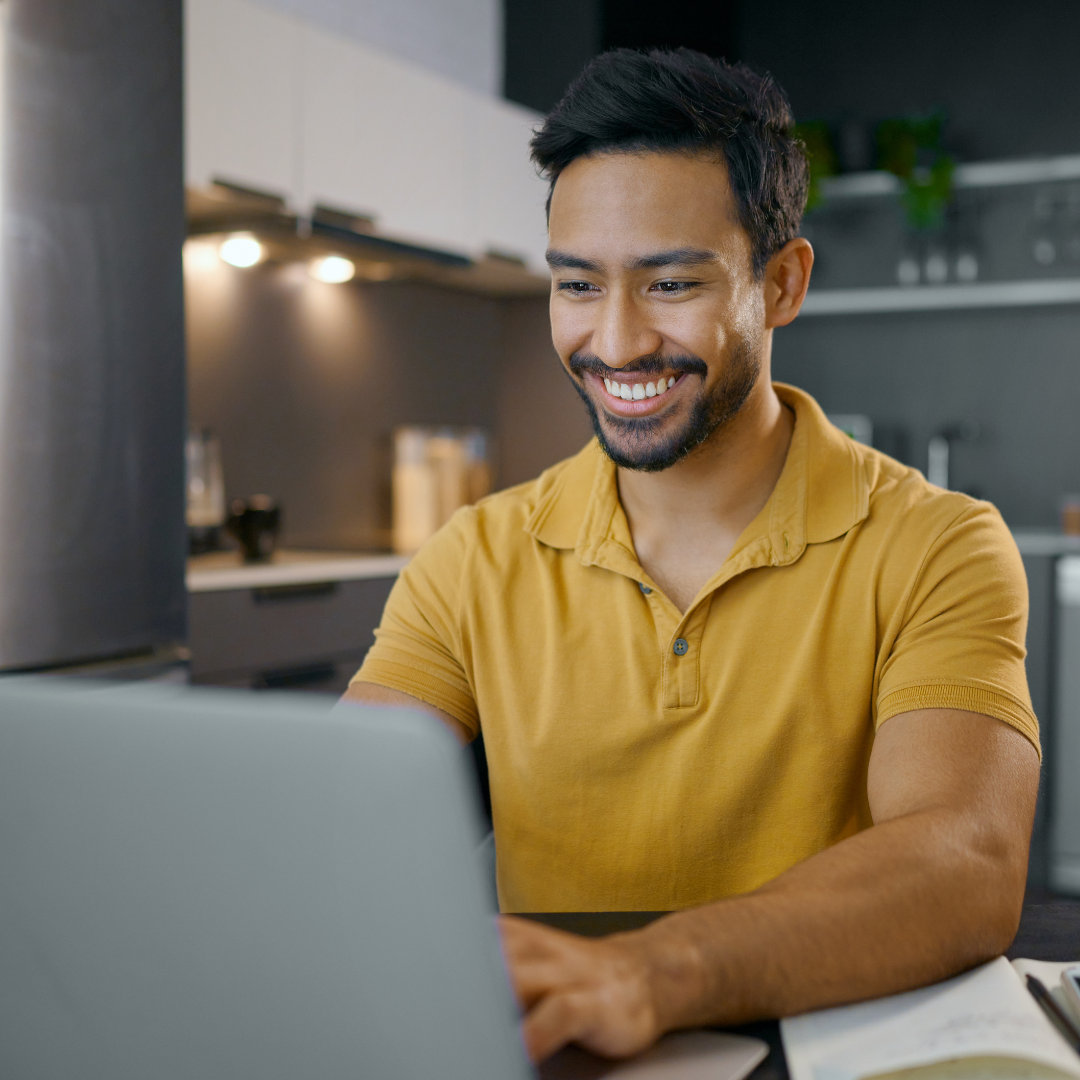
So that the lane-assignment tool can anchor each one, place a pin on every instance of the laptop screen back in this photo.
(211, 884)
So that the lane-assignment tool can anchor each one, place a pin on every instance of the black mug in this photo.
(255, 523)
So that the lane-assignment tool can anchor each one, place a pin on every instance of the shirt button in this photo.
(644, 588)
(680, 646)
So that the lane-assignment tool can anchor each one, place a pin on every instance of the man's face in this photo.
(654, 309)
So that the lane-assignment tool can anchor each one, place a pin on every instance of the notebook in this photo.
(222, 884)
(980, 1025)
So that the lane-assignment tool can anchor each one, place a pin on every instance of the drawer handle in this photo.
(283, 678)
(316, 590)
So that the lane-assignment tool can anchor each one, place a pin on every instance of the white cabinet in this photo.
(381, 136)
(240, 96)
(278, 104)
(505, 197)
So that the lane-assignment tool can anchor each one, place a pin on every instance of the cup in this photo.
(255, 522)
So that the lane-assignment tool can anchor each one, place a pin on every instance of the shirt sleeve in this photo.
(418, 646)
(960, 641)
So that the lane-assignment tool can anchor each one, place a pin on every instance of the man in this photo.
(732, 665)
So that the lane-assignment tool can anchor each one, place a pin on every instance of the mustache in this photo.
(653, 364)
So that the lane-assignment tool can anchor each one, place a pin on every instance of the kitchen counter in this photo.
(1046, 542)
(220, 570)
(225, 569)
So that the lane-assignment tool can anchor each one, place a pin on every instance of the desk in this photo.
(1049, 931)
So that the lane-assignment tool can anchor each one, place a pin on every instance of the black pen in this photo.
(1053, 1010)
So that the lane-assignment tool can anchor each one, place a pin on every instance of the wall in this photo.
(540, 417)
(304, 384)
(1011, 372)
(460, 39)
(1005, 73)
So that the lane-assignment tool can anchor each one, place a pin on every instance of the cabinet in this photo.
(277, 104)
(379, 136)
(302, 635)
(240, 92)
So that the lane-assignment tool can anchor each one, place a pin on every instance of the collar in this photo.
(823, 491)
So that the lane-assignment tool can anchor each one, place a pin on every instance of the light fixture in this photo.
(332, 269)
(241, 250)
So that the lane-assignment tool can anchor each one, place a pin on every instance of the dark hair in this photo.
(682, 100)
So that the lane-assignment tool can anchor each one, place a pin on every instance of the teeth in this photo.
(638, 391)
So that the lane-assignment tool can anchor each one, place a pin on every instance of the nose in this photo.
(622, 332)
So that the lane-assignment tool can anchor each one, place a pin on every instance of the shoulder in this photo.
(903, 501)
(922, 537)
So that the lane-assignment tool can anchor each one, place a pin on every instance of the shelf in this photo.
(975, 175)
(943, 297)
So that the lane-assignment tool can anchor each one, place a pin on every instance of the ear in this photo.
(787, 276)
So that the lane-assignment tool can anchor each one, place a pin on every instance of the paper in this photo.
(985, 1016)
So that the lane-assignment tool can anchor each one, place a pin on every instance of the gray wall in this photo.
(1012, 372)
(304, 384)
(1006, 73)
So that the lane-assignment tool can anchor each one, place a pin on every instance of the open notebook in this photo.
(981, 1025)
(220, 884)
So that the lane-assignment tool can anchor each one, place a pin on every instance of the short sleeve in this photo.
(418, 644)
(960, 641)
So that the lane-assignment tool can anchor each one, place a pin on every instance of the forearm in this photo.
(902, 904)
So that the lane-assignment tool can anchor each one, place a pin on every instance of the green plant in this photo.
(910, 148)
(820, 152)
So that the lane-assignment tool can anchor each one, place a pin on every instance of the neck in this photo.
(694, 511)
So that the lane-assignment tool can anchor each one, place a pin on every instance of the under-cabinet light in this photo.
(241, 250)
(332, 269)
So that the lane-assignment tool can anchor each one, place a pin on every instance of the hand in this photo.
(597, 993)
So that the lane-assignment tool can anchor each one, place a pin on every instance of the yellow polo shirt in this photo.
(643, 758)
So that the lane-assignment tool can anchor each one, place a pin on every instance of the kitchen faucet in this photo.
(937, 449)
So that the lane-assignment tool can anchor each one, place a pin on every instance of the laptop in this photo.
(223, 884)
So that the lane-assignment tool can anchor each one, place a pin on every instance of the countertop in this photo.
(225, 570)
(1046, 542)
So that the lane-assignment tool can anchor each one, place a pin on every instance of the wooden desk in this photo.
(1048, 931)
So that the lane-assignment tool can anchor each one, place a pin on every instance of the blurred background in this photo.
(273, 301)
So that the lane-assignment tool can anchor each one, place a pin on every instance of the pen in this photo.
(1049, 1006)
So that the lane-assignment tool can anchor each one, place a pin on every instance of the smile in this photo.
(638, 391)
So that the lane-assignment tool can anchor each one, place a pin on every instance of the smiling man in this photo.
(727, 663)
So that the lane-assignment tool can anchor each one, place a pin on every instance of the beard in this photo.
(653, 443)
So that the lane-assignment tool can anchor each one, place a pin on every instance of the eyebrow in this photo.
(680, 257)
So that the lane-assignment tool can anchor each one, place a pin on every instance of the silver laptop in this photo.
(206, 884)
(224, 885)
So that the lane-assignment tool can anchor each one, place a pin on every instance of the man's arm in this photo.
(936, 885)
(374, 694)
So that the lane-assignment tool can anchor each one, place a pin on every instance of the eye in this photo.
(575, 288)
(674, 288)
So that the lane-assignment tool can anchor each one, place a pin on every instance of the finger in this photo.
(556, 1020)
(530, 980)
